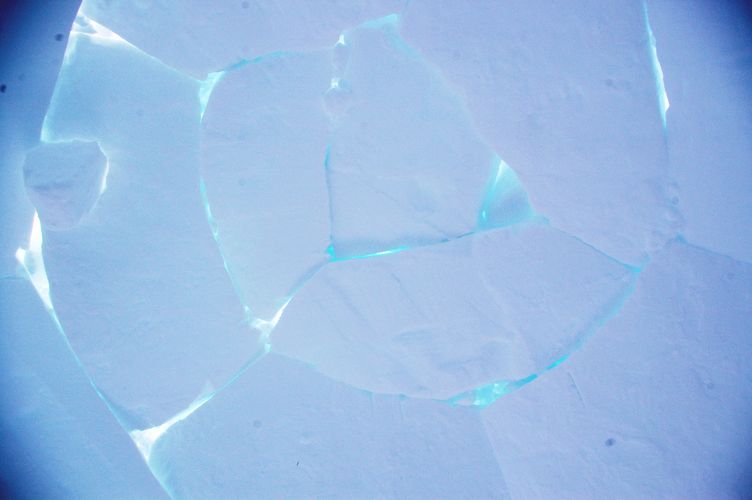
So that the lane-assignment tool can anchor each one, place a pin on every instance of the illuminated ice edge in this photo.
(660, 87)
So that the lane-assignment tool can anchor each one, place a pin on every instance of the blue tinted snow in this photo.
(338, 206)
(286, 242)
(139, 284)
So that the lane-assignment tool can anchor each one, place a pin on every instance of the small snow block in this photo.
(64, 181)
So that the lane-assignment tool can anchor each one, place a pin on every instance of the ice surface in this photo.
(199, 40)
(283, 430)
(139, 285)
(437, 321)
(279, 247)
(355, 164)
(565, 93)
(656, 405)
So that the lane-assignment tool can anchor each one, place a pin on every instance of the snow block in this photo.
(432, 322)
(139, 285)
(263, 144)
(565, 93)
(282, 430)
(199, 38)
(656, 405)
(59, 438)
(406, 166)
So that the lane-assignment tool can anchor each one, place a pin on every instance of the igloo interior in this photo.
(376, 249)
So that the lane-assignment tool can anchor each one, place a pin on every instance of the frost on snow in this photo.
(288, 243)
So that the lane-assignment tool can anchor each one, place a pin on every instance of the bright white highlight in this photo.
(85, 25)
(660, 87)
(32, 263)
(146, 438)
(206, 89)
(266, 326)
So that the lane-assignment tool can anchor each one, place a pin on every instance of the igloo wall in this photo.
(376, 248)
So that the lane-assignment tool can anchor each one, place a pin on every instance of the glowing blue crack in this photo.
(207, 86)
(214, 227)
(635, 269)
(484, 396)
(388, 20)
(392, 22)
(263, 326)
(327, 181)
(334, 258)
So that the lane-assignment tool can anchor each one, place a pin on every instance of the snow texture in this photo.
(148, 234)
(377, 248)
(263, 145)
(652, 407)
(405, 167)
(304, 435)
(197, 40)
(565, 92)
(454, 316)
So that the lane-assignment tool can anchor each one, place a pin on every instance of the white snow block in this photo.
(565, 93)
(263, 144)
(433, 322)
(284, 431)
(406, 166)
(700, 45)
(139, 285)
(656, 405)
(59, 439)
(197, 37)
(64, 181)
